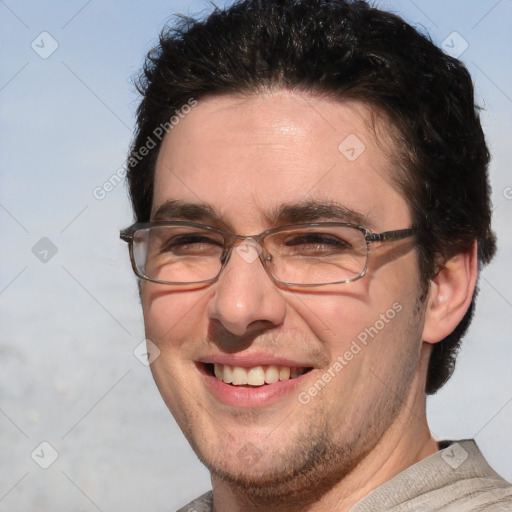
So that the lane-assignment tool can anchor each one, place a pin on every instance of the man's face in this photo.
(248, 158)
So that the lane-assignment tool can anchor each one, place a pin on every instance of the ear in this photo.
(450, 295)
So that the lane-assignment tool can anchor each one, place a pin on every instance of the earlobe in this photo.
(450, 295)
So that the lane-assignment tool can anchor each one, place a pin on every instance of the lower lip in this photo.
(248, 396)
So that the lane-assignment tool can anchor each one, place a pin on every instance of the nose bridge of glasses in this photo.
(249, 248)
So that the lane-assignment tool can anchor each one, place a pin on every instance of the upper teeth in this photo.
(255, 376)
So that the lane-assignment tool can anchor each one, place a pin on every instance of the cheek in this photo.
(337, 320)
(171, 318)
(366, 323)
(332, 319)
(172, 321)
(373, 350)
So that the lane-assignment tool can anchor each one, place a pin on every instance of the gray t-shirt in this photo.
(455, 479)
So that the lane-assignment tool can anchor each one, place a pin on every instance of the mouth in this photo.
(256, 376)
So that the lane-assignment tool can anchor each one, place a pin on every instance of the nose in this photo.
(245, 297)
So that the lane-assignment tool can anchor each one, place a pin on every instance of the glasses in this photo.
(300, 255)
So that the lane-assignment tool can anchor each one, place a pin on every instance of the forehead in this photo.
(246, 157)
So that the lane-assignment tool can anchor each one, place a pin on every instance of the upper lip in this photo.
(254, 359)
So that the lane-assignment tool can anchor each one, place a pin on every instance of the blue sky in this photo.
(69, 325)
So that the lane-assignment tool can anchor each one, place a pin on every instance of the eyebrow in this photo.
(316, 211)
(294, 213)
(174, 209)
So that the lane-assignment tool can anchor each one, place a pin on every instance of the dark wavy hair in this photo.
(347, 50)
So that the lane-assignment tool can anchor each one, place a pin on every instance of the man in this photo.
(309, 181)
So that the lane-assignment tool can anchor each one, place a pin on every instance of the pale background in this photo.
(69, 325)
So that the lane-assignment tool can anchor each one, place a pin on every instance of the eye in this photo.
(317, 244)
(317, 239)
(192, 244)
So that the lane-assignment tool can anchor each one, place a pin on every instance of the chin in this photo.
(295, 471)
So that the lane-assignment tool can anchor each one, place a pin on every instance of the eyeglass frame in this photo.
(230, 240)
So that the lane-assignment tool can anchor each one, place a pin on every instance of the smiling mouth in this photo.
(254, 376)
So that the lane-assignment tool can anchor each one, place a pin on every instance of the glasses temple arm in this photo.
(126, 235)
(398, 234)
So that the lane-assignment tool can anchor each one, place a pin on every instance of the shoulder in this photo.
(202, 504)
(455, 479)
(473, 484)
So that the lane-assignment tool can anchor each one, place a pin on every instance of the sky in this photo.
(70, 318)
